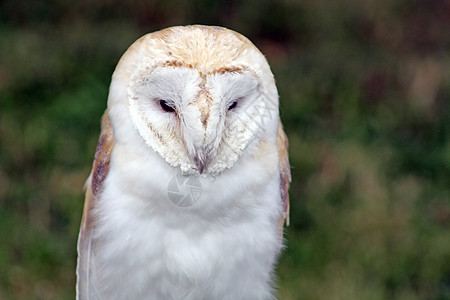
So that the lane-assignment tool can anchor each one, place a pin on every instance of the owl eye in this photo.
(233, 105)
(166, 106)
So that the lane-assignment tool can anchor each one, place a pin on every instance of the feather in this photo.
(86, 244)
(285, 171)
(134, 242)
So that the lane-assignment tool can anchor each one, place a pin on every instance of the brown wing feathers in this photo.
(86, 247)
(285, 170)
(102, 155)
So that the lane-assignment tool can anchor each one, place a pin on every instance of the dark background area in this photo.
(364, 94)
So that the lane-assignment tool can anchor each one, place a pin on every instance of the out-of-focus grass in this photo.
(364, 89)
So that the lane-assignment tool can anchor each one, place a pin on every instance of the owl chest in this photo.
(159, 258)
(153, 249)
(148, 260)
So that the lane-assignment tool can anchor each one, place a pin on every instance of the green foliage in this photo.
(364, 89)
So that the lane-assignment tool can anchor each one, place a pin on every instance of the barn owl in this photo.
(188, 102)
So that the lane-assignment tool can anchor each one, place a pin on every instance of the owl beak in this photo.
(200, 165)
(201, 160)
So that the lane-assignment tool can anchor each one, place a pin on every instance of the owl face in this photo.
(199, 96)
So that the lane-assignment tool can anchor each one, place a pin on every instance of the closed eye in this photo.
(233, 105)
(166, 106)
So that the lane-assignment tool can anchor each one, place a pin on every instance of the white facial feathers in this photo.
(217, 84)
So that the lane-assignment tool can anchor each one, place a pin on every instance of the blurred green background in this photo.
(364, 89)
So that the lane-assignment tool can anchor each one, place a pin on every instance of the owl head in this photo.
(198, 96)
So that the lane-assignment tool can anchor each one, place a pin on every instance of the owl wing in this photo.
(86, 245)
(285, 171)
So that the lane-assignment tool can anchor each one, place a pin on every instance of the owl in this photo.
(188, 193)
